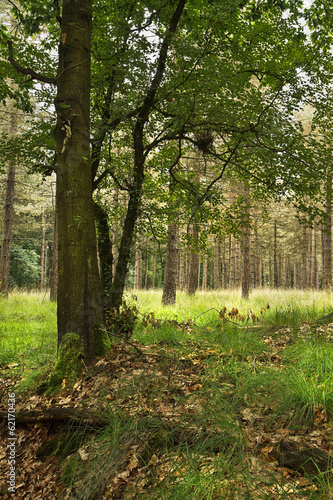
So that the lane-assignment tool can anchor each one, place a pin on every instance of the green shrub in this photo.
(24, 268)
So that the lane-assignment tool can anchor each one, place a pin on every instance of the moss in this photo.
(102, 343)
(68, 365)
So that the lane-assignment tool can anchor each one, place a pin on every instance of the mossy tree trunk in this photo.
(80, 307)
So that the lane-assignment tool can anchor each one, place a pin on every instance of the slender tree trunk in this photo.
(138, 266)
(181, 274)
(104, 245)
(224, 266)
(115, 235)
(327, 238)
(153, 276)
(309, 261)
(232, 262)
(42, 254)
(171, 266)
(275, 259)
(80, 305)
(314, 267)
(192, 280)
(8, 219)
(303, 283)
(205, 273)
(54, 263)
(118, 285)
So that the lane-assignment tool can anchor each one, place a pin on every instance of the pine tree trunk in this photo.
(327, 238)
(171, 266)
(80, 306)
(8, 219)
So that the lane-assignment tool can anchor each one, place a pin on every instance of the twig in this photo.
(125, 340)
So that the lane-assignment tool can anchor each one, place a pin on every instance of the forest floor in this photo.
(237, 407)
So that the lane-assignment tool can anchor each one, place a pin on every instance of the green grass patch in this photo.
(28, 337)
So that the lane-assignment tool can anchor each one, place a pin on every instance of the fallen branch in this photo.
(80, 416)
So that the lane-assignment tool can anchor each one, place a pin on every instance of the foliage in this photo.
(24, 268)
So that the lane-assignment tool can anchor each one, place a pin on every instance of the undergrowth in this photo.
(200, 392)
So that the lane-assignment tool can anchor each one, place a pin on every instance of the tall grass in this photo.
(286, 307)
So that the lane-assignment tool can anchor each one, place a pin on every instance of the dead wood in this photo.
(82, 417)
(310, 460)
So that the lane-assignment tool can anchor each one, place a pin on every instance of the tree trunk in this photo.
(314, 267)
(327, 238)
(171, 266)
(181, 274)
(146, 266)
(137, 285)
(135, 191)
(275, 260)
(80, 306)
(115, 236)
(8, 219)
(232, 262)
(42, 255)
(304, 269)
(104, 245)
(192, 280)
(205, 273)
(54, 263)
(154, 269)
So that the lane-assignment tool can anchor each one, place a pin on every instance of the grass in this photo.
(221, 387)
(28, 338)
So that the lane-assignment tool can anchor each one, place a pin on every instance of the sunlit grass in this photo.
(286, 307)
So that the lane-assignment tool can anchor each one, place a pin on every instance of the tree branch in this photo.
(27, 71)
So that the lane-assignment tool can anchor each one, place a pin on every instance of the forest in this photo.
(166, 249)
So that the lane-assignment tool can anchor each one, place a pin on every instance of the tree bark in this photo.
(80, 306)
(171, 266)
(8, 219)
